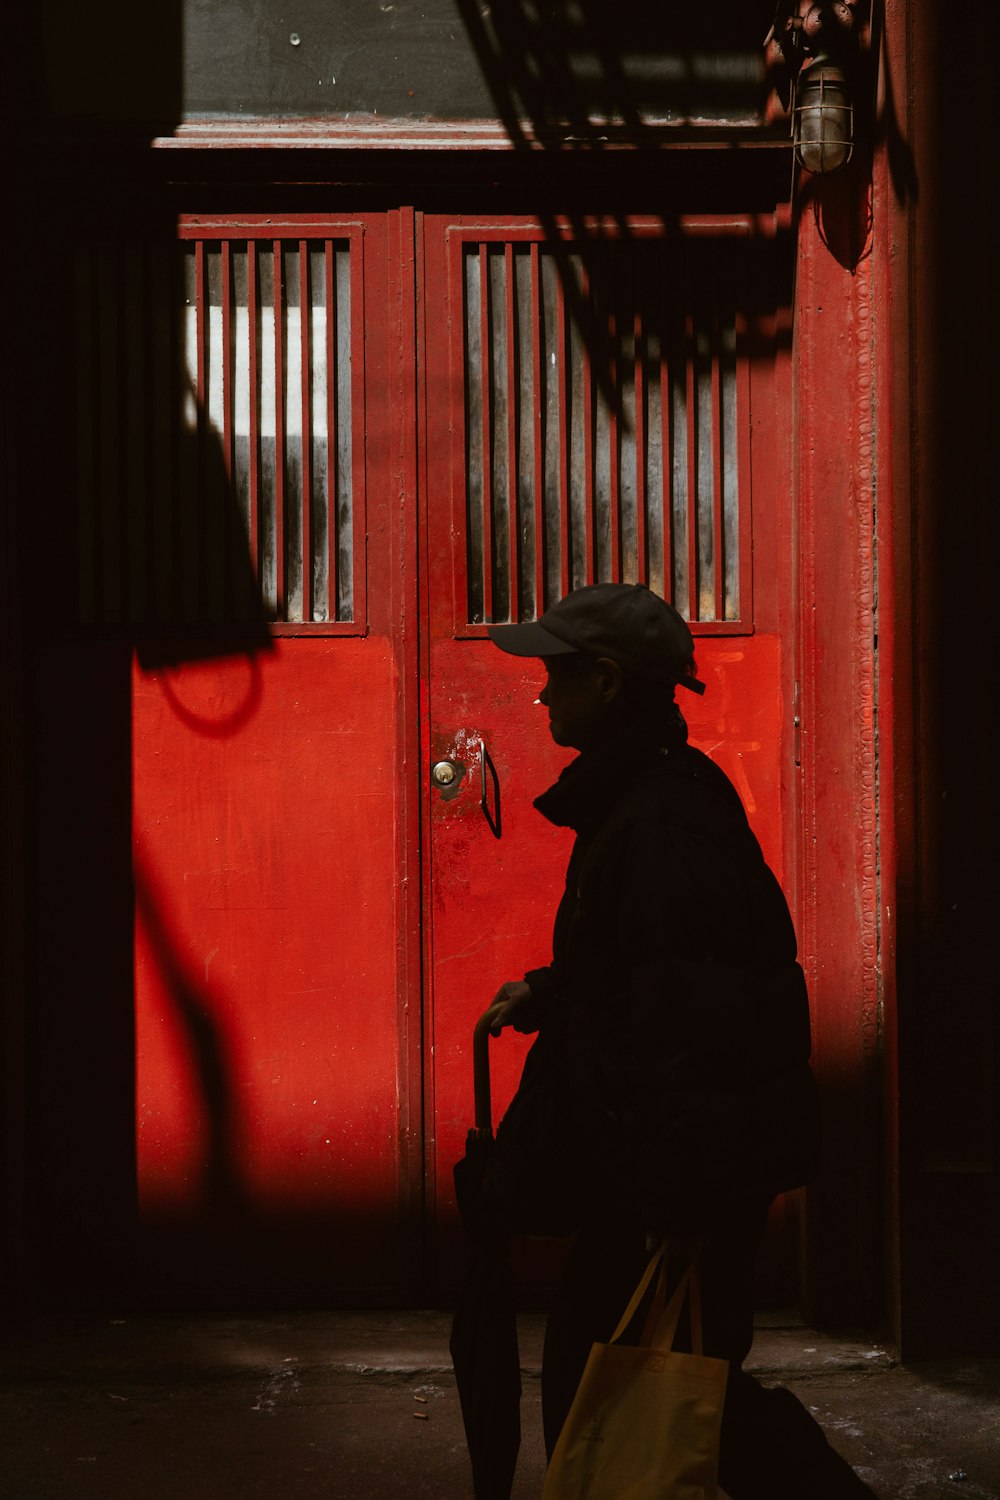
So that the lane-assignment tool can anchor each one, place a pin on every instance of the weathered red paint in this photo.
(277, 958)
(929, 340)
(277, 805)
(491, 903)
(266, 881)
(835, 504)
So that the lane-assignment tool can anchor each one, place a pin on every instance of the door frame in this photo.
(835, 553)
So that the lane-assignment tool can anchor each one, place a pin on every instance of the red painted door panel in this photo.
(592, 409)
(266, 996)
(270, 834)
(595, 428)
(491, 899)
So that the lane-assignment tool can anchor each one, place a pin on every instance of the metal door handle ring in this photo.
(485, 762)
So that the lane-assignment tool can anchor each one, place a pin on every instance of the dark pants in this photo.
(771, 1448)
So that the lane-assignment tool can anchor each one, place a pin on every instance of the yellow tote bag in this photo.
(645, 1422)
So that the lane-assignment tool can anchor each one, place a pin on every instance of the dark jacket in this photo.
(673, 1020)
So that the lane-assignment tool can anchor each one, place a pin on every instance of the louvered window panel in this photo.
(217, 417)
(607, 425)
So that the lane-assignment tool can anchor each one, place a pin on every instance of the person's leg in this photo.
(600, 1274)
(771, 1448)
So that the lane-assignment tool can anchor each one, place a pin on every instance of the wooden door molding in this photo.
(834, 486)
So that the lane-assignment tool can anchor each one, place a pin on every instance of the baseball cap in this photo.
(625, 622)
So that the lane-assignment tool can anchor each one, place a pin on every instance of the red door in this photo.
(601, 407)
(272, 837)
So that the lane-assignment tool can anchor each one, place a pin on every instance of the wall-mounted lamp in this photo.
(823, 117)
(818, 45)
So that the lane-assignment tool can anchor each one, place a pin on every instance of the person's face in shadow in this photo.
(583, 697)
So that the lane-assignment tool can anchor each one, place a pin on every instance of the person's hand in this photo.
(509, 1005)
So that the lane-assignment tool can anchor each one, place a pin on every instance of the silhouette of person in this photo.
(673, 1030)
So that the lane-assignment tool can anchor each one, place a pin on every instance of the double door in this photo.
(378, 434)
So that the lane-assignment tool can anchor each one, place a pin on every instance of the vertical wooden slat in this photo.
(229, 533)
(210, 447)
(562, 335)
(173, 585)
(279, 432)
(615, 376)
(355, 478)
(468, 356)
(667, 431)
(227, 359)
(151, 457)
(513, 468)
(717, 434)
(588, 404)
(253, 381)
(537, 380)
(199, 292)
(201, 416)
(630, 458)
(486, 361)
(639, 346)
(741, 606)
(306, 371)
(191, 554)
(332, 446)
(691, 363)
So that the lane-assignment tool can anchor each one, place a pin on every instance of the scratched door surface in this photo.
(595, 401)
(611, 403)
(248, 550)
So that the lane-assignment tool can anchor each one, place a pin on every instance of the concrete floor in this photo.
(362, 1406)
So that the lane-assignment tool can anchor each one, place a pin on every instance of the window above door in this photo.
(606, 421)
(221, 428)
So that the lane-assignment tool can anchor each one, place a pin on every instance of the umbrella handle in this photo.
(481, 1072)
